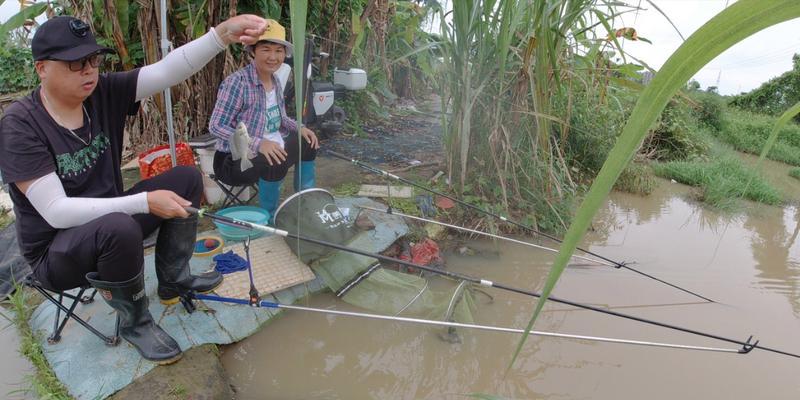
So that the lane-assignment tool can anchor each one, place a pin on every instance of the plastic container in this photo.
(351, 79)
(256, 215)
(201, 248)
(214, 194)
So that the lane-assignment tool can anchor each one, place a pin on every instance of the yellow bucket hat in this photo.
(276, 33)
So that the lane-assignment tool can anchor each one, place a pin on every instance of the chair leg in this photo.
(55, 336)
(232, 194)
(69, 314)
(235, 199)
(114, 340)
(89, 299)
(254, 195)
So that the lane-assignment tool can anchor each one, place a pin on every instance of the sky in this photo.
(742, 68)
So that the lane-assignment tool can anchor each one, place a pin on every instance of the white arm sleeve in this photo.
(47, 196)
(178, 65)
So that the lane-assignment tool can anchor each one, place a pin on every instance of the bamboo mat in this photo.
(275, 267)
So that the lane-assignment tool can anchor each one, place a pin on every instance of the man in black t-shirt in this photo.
(60, 152)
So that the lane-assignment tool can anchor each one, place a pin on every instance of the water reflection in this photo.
(772, 245)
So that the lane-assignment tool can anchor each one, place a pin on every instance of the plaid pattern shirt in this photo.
(242, 98)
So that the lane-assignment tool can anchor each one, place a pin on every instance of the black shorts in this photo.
(229, 171)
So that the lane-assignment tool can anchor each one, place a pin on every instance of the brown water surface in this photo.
(749, 263)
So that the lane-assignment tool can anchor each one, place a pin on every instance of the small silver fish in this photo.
(240, 146)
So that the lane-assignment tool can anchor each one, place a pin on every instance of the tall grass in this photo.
(506, 63)
(734, 24)
(795, 173)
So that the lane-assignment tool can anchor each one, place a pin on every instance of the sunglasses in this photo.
(94, 60)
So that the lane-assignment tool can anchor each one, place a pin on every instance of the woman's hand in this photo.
(167, 204)
(310, 137)
(273, 151)
(245, 28)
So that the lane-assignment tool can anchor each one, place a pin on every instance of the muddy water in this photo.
(749, 263)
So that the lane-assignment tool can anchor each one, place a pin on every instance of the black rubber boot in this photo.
(174, 249)
(136, 325)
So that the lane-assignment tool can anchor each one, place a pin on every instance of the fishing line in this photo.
(618, 265)
(390, 211)
(482, 282)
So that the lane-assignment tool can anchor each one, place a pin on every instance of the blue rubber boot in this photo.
(269, 193)
(304, 175)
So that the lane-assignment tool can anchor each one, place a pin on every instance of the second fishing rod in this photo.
(483, 282)
(613, 263)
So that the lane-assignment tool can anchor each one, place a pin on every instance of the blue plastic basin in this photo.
(256, 215)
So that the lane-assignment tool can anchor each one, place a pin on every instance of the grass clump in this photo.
(405, 206)
(795, 173)
(177, 392)
(346, 189)
(748, 132)
(636, 179)
(6, 218)
(43, 382)
(721, 181)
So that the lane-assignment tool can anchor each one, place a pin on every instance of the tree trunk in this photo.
(351, 41)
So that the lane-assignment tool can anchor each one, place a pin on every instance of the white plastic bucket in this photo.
(212, 191)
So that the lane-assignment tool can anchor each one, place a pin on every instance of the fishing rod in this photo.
(270, 304)
(615, 264)
(477, 232)
(483, 282)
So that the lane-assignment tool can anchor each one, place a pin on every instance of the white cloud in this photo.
(8, 9)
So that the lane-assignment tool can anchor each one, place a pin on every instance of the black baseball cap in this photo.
(65, 38)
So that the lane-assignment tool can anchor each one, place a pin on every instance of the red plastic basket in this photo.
(157, 160)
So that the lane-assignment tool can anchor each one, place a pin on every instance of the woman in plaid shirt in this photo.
(254, 96)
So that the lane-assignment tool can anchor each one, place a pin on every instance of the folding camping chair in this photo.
(63, 304)
(204, 146)
(233, 194)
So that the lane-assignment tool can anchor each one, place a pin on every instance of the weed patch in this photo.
(636, 179)
(6, 218)
(346, 189)
(748, 132)
(721, 181)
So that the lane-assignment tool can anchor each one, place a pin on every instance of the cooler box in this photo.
(351, 79)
